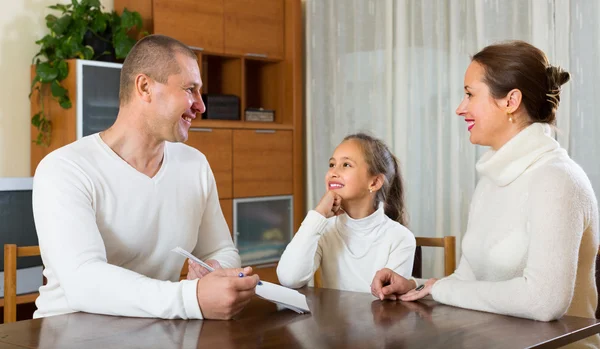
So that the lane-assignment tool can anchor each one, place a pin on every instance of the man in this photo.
(110, 207)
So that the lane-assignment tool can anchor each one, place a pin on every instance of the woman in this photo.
(532, 236)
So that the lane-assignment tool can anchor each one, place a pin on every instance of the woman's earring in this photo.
(510, 119)
(370, 190)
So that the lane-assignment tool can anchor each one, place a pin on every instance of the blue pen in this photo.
(242, 275)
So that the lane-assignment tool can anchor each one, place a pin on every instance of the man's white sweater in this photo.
(106, 231)
(532, 236)
(349, 251)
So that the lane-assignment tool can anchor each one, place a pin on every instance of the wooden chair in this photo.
(10, 301)
(449, 245)
(598, 282)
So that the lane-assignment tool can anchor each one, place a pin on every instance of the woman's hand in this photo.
(419, 292)
(330, 205)
(389, 285)
(196, 271)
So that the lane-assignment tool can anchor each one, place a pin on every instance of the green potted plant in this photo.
(84, 31)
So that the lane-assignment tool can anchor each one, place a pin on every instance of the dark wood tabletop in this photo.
(339, 320)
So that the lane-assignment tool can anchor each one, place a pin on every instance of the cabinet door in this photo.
(262, 163)
(197, 23)
(216, 145)
(254, 27)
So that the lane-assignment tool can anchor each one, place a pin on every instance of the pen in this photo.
(242, 275)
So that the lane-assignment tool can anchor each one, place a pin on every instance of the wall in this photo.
(21, 24)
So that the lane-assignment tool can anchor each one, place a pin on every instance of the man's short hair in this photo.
(153, 55)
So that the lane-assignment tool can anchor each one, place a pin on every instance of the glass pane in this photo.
(263, 228)
(100, 98)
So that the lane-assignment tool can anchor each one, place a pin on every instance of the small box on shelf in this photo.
(221, 107)
(259, 114)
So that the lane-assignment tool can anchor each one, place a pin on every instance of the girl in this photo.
(357, 228)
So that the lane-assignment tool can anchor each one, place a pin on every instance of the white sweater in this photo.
(349, 251)
(532, 236)
(106, 231)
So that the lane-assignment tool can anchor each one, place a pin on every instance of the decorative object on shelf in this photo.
(259, 114)
(221, 107)
(82, 31)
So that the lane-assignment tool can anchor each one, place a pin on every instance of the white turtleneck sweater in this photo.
(349, 251)
(106, 231)
(532, 236)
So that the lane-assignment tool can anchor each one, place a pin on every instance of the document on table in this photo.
(283, 296)
(280, 295)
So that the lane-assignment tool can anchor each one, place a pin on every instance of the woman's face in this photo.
(486, 117)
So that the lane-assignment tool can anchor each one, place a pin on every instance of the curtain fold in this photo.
(395, 69)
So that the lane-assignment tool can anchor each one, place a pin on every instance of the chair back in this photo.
(598, 282)
(449, 245)
(10, 301)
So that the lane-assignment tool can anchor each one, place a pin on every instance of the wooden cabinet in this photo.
(197, 23)
(262, 163)
(216, 145)
(254, 27)
(237, 27)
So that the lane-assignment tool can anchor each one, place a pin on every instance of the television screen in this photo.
(263, 228)
(17, 227)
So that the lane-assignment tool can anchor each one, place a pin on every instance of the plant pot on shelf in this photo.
(102, 45)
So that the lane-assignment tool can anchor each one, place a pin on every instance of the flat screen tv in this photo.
(17, 227)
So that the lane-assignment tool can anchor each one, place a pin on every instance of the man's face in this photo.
(176, 103)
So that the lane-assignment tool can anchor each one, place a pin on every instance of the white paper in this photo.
(284, 296)
(185, 253)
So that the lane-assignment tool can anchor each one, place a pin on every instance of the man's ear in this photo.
(143, 87)
(376, 182)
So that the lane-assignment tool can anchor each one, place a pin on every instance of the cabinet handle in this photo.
(196, 48)
(200, 129)
(261, 55)
(265, 131)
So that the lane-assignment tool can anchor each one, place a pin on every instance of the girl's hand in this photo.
(330, 205)
(418, 292)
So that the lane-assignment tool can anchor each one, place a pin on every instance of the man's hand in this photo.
(196, 271)
(389, 285)
(223, 293)
(330, 205)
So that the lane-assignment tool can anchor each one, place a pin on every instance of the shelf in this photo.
(236, 124)
(263, 84)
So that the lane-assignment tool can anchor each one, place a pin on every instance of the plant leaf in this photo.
(64, 102)
(50, 20)
(123, 46)
(61, 24)
(35, 120)
(88, 52)
(59, 7)
(46, 72)
(92, 3)
(63, 69)
(57, 90)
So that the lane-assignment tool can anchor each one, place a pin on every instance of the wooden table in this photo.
(339, 320)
